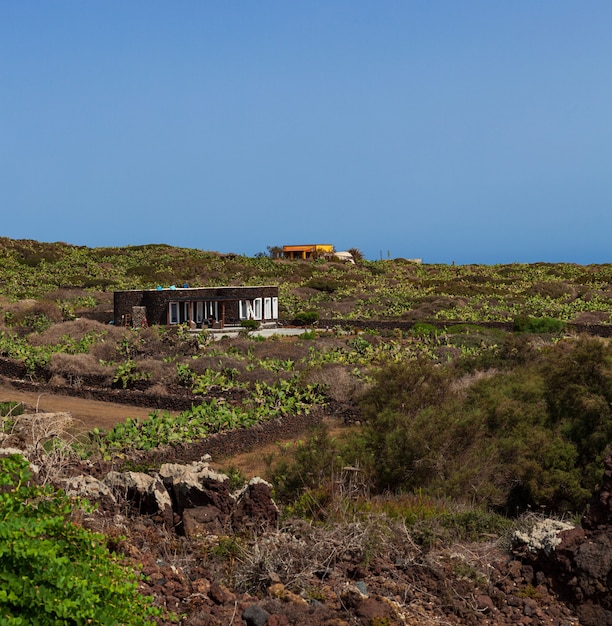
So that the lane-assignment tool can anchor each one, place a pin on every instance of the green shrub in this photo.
(53, 572)
(301, 472)
(321, 283)
(127, 373)
(249, 324)
(578, 393)
(422, 329)
(11, 408)
(539, 325)
(306, 318)
(407, 386)
(474, 524)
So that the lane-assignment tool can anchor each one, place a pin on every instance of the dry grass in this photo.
(300, 551)
(46, 438)
(461, 385)
(200, 365)
(283, 348)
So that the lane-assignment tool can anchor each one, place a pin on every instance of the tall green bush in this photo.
(52, 571)
(393, 437)
(533, 434)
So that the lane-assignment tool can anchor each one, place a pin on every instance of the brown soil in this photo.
(86, 412)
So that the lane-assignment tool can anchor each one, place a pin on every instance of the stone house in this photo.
(199, 307)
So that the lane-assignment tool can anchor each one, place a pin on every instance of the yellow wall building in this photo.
(308, 251)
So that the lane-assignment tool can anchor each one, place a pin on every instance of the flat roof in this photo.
(174, 288)
(309, 245)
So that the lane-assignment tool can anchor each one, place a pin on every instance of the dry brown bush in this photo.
(283, 348)
(4, 307)
(332, 342)
(593, 317)
(46, 438)
(299, 550)
(217, 363)
(553, 289)
(57, 381)
(162, 341)
(241, 345)
(158, 389)
(461, 385)
(161, 373)
(109, 348)
(265, 376)
(151, 341)
(105, 351)
(76, 329)
(21, 310)
(73, 367)
(304, 293)
(66, 294)
(338, 382)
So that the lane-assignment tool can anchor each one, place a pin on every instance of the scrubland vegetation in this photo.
(456, 428)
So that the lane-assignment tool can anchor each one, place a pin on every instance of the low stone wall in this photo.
(598, 330)
(11, 369)
(112, 396)
(235, 441)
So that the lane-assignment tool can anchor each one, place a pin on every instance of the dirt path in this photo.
(89, 413)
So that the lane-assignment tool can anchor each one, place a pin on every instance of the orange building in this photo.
(308, 251)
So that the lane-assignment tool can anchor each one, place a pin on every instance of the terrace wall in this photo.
(598, 330)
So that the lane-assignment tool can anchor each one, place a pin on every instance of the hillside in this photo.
(423, 417)
(83, 278)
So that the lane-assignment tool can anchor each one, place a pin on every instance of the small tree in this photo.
(274, 252)
(356, 253)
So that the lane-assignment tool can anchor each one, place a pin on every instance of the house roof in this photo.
(202, 289)
(309, 246)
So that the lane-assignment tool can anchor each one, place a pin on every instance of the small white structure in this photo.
(345, 256)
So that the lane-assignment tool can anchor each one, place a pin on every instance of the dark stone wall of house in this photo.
(231, 313)
(123, 303)
(156, 300)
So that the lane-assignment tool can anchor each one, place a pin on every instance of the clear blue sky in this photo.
(465, 131)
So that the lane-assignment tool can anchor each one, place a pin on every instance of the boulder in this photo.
(542, 536)
(12, 451)
(147, 494)
(90, 488)
(203, 520)
(196, 485)
(255, 615)
(578, 561)
(255, 509)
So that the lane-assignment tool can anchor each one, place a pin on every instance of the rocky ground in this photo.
(213, 555)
